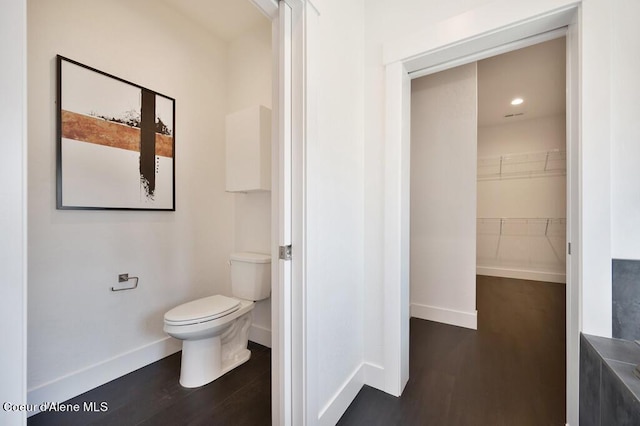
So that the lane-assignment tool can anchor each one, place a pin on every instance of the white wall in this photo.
(75, 321)
(385, 22)
(524, 197)
(597, 74)
(249, 60)
(13, 210)
(625, 135)
(443, 196)
(249, 68)
(334, 206)
(521, 136)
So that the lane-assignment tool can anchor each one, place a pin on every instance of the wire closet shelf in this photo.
(523, 165)
(531, 227)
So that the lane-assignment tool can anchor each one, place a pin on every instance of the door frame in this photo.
(450, 43)
(293, 26)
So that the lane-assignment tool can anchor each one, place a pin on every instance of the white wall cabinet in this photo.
(248, 150)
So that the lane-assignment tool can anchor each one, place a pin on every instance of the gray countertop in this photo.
(621, 356)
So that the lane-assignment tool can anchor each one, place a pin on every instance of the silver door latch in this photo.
(285, 252)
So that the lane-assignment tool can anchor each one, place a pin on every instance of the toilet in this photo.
(214, 330)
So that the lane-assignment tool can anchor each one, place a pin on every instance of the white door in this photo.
(281, 306)
(292, 31)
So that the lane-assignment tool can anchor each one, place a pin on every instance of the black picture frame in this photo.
(115, 142)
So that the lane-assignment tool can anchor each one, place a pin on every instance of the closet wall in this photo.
(521, 226)
(521, 211)
(443, 196)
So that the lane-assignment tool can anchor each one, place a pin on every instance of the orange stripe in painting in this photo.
(94, 130)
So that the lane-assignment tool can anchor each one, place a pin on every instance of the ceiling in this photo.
(536, 74)
(226, 19)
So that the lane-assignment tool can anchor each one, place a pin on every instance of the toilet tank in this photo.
(251, 275)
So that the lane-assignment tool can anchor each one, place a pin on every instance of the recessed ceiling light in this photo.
(517, 101)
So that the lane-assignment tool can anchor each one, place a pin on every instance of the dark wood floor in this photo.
(511, 371)
(152, 396)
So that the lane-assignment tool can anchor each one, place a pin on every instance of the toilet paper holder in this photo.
(122, 278)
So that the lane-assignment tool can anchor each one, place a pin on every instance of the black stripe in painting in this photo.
(148, 142)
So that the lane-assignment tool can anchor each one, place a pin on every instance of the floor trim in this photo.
(335, 408)
(260, 335)
(446, 316)
(374, 375)
(88, 378)
(522, 274)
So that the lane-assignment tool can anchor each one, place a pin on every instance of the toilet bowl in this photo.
(214, 330)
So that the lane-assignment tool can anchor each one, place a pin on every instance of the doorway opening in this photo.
(419, 58)
(462, 117)
(211, 72)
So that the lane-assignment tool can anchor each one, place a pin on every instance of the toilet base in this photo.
(240, 358)
(204, 360)
(194, 378)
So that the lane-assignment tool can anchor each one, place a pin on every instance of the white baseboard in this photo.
(374, 375)
(260, 335)
(522, 274)
(338, 404)
(78, 382)
(446, 316)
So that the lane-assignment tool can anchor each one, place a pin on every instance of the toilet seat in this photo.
(202, 310)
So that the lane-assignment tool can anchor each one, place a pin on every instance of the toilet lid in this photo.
(201, 310)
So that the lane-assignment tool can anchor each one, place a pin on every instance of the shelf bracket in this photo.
(546, 161)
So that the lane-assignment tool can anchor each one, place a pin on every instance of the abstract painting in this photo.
(116, 142)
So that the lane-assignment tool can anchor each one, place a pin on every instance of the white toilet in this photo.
(215, 329)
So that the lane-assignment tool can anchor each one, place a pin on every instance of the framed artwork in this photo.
(116, 142)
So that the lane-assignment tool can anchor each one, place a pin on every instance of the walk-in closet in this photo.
(488, 229)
